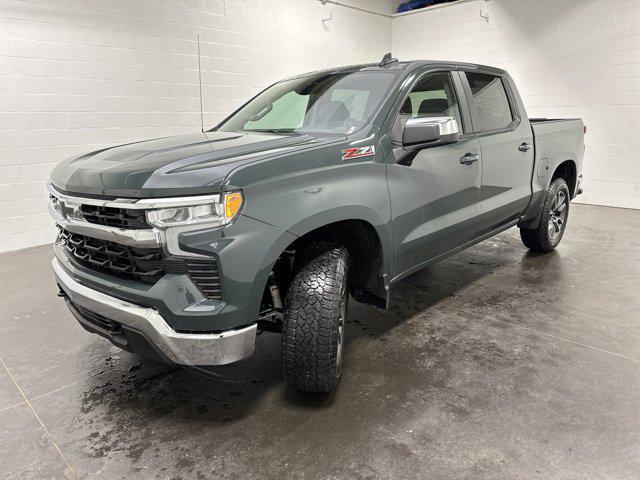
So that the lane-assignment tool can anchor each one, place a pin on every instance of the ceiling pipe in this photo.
(352, 7)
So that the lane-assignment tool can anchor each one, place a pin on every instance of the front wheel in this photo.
(555, 213)
(315, 319)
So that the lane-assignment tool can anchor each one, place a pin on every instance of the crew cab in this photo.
(327, 186)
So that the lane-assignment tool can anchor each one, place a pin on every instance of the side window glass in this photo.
(434, 95)
(490, 100)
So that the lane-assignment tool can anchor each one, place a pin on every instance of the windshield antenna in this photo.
(200, 84)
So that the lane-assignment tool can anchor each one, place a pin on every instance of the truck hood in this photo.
(170, 166)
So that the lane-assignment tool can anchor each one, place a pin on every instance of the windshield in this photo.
(336, 103)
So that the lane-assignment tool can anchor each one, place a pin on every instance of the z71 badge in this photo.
(358, 152)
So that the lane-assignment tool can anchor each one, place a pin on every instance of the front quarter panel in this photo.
(305, 192)
(246, 251)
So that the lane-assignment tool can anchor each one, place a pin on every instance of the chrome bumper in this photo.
(180, 348)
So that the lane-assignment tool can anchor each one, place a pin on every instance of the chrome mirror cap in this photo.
(446, 125)
(423, 132)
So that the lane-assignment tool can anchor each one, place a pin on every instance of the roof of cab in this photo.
(397, 65)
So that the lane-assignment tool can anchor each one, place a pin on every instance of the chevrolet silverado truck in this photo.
(327, 186)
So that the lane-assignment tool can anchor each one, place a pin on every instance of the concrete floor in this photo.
(495, 363)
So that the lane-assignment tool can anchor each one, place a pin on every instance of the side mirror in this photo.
(424, 132)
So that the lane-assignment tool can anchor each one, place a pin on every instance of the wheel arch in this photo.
(568, 171)
(366, 252)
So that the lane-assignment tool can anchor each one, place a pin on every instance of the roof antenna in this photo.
(200, 84)
(387, 59)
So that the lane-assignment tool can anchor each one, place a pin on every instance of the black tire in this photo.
(315, 320)
(555, 213)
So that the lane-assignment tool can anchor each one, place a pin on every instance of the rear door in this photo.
(433, 192)
(506, 142)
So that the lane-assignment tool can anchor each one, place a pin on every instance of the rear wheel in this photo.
(315, 320)
(555, 213)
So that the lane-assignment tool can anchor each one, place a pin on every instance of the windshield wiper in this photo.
(281, 131)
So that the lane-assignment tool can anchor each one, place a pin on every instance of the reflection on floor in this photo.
(495, 363)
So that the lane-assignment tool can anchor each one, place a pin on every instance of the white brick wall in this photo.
(568, 57)
(77, 75)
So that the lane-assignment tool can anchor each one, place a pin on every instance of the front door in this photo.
(434, 194)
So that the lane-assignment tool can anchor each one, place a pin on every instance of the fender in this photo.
(303, 194)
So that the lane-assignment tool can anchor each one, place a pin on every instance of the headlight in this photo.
(217, 213)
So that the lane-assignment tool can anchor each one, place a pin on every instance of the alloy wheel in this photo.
(558, 216)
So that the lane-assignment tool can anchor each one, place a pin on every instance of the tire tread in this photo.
(312, 310)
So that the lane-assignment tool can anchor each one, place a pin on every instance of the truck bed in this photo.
(556, 140)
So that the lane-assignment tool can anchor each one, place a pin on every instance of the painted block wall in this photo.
(79, 75)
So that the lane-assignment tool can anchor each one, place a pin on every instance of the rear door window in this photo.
(490, 100)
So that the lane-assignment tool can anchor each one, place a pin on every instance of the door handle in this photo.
(524, 147)
(469, 158)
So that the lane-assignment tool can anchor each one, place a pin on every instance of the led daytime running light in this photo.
(218, 213)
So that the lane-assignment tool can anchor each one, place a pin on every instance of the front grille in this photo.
(145, 265)
(131, 219)
(140, 264)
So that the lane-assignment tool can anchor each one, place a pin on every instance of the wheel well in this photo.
(365, 259)
(567, 171)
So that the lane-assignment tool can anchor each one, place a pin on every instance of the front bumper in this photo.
(176, 347)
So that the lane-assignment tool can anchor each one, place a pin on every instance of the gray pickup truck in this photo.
(324, 187)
